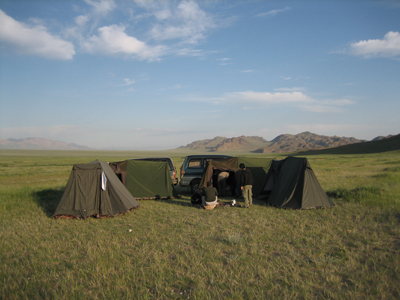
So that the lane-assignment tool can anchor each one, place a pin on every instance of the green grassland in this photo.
(169, 249)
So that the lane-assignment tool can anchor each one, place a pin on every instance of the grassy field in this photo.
(178, 251)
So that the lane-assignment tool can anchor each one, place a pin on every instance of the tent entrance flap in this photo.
(225, 182)
(258, 166)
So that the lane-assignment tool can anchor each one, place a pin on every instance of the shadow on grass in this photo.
(48, 200)
(180, 202)
(224, 201)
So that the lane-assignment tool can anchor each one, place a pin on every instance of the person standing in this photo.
(246, 185)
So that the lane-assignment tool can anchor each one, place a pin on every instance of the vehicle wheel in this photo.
(194, 185)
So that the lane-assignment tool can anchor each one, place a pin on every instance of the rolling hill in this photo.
(284, 143)
(204, 145)
(288, 143)
(377, 145)
(223, 144)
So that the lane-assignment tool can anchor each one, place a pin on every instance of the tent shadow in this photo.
(48, 200)
(180, 202)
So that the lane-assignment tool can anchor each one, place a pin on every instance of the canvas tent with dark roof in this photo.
(294, 185)
(146, 179)
(93, 189)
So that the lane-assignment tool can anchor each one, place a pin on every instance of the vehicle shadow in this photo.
(223, 202)
(185, 200)
(48, 200)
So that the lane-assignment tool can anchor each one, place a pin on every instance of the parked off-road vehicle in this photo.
(192, 169)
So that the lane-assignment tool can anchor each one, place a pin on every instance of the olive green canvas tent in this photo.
(146, 179)
(258, 166)
(93, 189)
(295, 185)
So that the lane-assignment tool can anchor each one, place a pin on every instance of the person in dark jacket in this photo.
(210, 195)
(246, 185)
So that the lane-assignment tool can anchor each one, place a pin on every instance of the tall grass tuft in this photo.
(357, 195)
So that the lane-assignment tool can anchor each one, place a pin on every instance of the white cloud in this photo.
(90, 20)
(274, 12)
(293, 89)
(389, 46)
(99, 9)
(328, 105)
(322, 108)
(268, 98)
(187, 21)
(224, 61)
(176, 87)
(190, 52)
(113, 40)
(102, 7)
(337, 102)
(256, 100)
(81, 20)
(215, 111)
(128, 82)
(163, 14)
(179, 24)
(35, 40)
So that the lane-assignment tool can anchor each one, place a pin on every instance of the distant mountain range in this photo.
(242, 143)
(377, 145)
(284, 143)
(39, 144)
(288, 143)
(305, 142)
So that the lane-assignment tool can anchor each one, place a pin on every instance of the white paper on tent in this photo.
(103, 181)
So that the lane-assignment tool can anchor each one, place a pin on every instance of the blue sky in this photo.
(161, 74)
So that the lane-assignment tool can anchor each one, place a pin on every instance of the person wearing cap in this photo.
(246, 185)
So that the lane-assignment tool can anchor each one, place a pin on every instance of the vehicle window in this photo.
(195, 163)
(183, 163)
